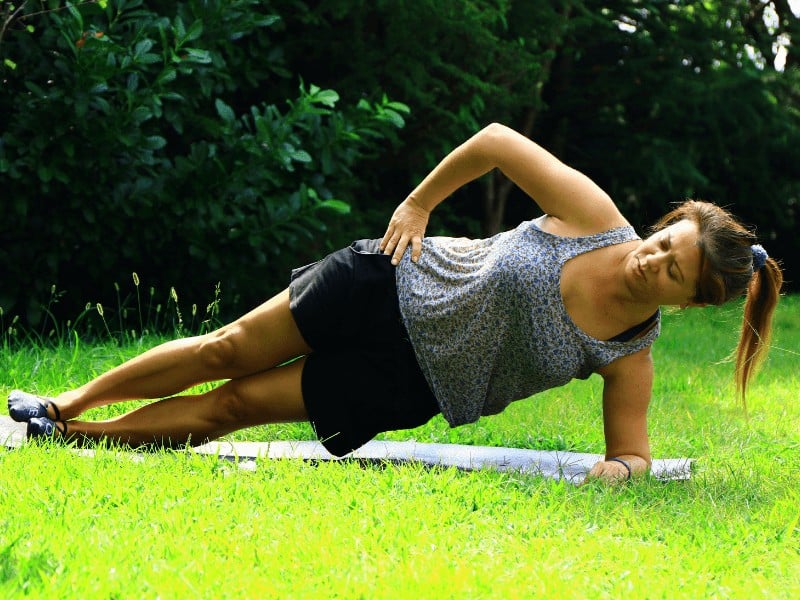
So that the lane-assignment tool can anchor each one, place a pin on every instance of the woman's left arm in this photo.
(627, 386)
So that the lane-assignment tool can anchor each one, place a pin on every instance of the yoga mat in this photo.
(570, 466)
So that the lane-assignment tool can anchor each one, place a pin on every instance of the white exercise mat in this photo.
(571, 466)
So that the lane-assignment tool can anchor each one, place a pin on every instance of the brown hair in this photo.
(727, 272)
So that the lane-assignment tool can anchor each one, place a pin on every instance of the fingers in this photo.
(399, 250)
(610, 472)
(392, 243)
(395, 244)
(416, 248)
(388, 243)
(407, 226)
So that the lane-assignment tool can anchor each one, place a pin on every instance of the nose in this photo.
(653, 262)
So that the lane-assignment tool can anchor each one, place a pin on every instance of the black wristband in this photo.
(624, 464)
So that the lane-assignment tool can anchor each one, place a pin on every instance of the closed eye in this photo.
(675, 262)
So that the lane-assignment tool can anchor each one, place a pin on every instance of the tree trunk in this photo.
(499, 186)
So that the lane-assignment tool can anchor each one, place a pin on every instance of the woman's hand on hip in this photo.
(407, 225)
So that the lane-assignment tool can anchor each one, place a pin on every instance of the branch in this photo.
(14, 17)
(11, 18)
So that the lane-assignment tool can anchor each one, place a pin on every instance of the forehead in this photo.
(684, 239)
(683, 233)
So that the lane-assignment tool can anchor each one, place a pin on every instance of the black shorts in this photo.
(362, 377)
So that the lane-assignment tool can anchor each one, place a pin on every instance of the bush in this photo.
(153, 141)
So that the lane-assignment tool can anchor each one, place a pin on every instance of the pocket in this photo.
(300, 270)
(367, 247)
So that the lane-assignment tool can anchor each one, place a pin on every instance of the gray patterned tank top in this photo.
(488, 323)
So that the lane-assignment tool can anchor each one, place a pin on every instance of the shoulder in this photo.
(599, 223)
(602, 221)
(631, 365)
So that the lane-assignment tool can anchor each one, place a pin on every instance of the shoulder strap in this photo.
(572, 247)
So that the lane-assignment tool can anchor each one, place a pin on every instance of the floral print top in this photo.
(487, 321)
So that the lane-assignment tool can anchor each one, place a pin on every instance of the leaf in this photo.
(394, 118)
(179, 29)
(44, 173)
(101, 104)
(399, 107)
(76, 14)
(142, 48)
(337, 206)
(38, 92)
(194, 32)
(224, 111)
(149, 58)
(141, 114)
(155, 142)
(326, 97)
(266, 21)
(197, 55)
(300, 156)
(167, 75)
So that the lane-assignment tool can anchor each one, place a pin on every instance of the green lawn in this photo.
(176, 525)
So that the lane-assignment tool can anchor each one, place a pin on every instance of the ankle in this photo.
(53, 411)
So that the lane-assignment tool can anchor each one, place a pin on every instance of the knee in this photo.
(231, 408)
(219, 349)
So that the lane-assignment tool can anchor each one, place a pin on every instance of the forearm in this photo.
(464, 164)
(627, 386)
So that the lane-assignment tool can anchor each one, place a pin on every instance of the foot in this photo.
(44, 427)
(24, 407)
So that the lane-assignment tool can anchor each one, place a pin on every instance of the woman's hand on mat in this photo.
(407, 225)
(608, 471)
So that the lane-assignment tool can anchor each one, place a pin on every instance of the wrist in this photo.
(625, 464)
(417, 204)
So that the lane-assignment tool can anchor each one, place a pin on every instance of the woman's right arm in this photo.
(560, 191)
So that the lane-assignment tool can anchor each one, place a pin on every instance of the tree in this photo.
(144, 141)
(655, 100)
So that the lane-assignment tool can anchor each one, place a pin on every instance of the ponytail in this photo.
(762, 296)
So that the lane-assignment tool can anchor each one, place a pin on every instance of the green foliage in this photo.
(680, 108)
(146, 141)
(202, 142)
(457, 64)
(654, 100)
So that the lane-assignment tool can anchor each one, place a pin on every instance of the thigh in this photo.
(261, 339)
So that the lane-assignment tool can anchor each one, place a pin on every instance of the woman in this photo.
(385, 339)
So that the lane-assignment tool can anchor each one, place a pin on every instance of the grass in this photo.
(176, 525)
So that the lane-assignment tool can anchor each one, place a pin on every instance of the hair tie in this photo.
(759, 256)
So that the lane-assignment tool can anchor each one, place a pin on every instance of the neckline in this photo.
(620, 238)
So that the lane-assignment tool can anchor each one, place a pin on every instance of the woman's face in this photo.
(665, 268)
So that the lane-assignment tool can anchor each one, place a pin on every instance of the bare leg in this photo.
(262, 339)
(273, 396)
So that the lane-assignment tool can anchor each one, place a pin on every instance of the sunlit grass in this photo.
(176, 525)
